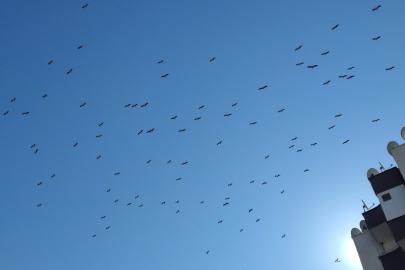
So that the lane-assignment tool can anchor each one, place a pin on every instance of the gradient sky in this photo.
(254, 44)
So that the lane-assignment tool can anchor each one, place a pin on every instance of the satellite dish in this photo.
(363, 226)
(391, 146)
(355, 232)
(403, 133)
(371, 172)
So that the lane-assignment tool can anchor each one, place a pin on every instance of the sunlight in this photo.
(352, 254)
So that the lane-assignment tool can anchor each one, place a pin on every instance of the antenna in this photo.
(365, 206)
(382, 167)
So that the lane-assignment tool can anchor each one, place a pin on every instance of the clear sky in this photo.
(254, 44)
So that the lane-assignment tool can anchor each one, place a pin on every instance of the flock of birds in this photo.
(312, 66)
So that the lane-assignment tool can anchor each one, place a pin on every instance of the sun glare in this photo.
(352, 255)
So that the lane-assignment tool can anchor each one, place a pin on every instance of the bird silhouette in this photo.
(377, 38)
(300, 150)
(160, 62)
(264, 183)
(263, 87)
(149, 161)
(345, 141)
(36, 151)
(201, 107)
(350, 77)
(376, 120)
(266, 157)
(337, 260)
(233, 105)
(53, 175)
(252, 181)
(299, 47)
(117, 173)
(342, 76)
(220, 221)
(50, 62)
(144, 105)
(253, 123)
(140, 132)
(75, 144)
(257, 220)
(227, 115)
(98, 157)
(150, 130)
(219, 142)
(332, 127)
(207, 251)
(291, 146)
(169, 161)
(182, 130)
(241, 230)
(44, 96)
(225, 204)
(6, 113)
(227, 198)
(390, 68)
(338, 115)
(128, 204)
(133, 106)
(202, 202)
(229, 184)
(115, 201)
(126, 106)
(178, 179)
(277, 175)
(313, 144)
(350, 68)
(376, 8)
(81, 46)
(282, 110)
(33, 145)
(197, 118)
(70, 70)
(25, 113)
(250, 210)
(293, 139)
(326, 82)
(184, 163)
(177, 211)
(94, 235)
(212, 59)
(174, 117)
(306, 170)
(325, 53)
(39, 205)
(299, 64)
(313, 66)
(108, 227)
(177, 201)
(283, 236)
(100, 124)
(109, 190)
(40, 183)
(103, 217)
(137, 196)
(82, 105)
(85, 6)
(282, 192)
(164, 76)
(99, 136)
(140, 205)
(334, 27)
(163, 202)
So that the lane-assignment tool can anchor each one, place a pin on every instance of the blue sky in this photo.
(254, 45)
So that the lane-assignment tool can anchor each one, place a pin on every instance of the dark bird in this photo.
(266, 157)
(326, 82)
(202, 202)
(227, 198)
(69, 71)
(182, 130)
(117, 173)
(128, 204)
(177, 211)
(376, 8)
(306, 170)
(277, 175)
(250, 210)
(390, 68)
(13, 100)
(282, 192)
(137, 196)
(227, 115)
(163, 202)
(313, 144)
(169, 161)
(345, 141)
(337, 260)
(94, 235)
(325, 53)
(229, 184)
(225, 204)
(108, 227)
(149, 161)
(174, 117)
(212, 59)
(33, 145)
(253, 123)
(299, 64)
(160, 62)
(25, 113)
(140, 132)
(291, 146)
(282, 110)
(140, 205)
(39, 205)
(178, 179)
(150, 130)
(126, 106)
(219, 142)
(75, 144)
(163, 76)
(98, 157)
(338, 115)
(376, 120)
(350, 68)
(184, 163)
(197, 118)
(53, 175)
(81, 46)
(50, 62)
(252, 181)
(299, 47)
(201, 107)
(100, 124)
(220, 221)
(85, 6)
(83, 105)
(144, 105)
(332, 127)
(208, 251)
(334, 27)
(283, 236)
(314, 66)
(36, 151)
(44, 96)
(116, 201)
(241, 230)
(40, 183)
(263, 87)
(98, 136)
(342, 76)
(109, 190)
(377, 38)
(299, 150)
(264, 183)
(294, 139)
(177, 201)
(351, 76)
(257, 220)
(103, 217)
(233, 105)
(133, 106)
(6, 113)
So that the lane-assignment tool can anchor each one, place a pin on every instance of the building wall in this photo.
(395, 207)
(368, 249)
(399, 155)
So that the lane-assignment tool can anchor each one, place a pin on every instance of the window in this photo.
(386, 197)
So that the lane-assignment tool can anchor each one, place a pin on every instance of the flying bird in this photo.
(314, 66)
(177, 201)
(137, 196)
(225, 204)
(100, 124)
(44, 96)
(282, 192)
(257, 220)
(376, 8)
(376, 120)
(149, 161)
(163, 76)
(178, 179)
(342, 76)
(108, 227)
(25, 113)
(116, 201)
(227, 115)
(299, 150)
(150, 130)
(350, 68)
(351, 76)
(85, 6)
(40, 183)
(202, 202)
(229, 184)
(98, 157)
(219, 142)
(75, 144)
(53, 175)
(117, 173)
(98, 136)
(306, 170)
(128, 204)
(103, 217)
(177, 211)
(377, 38)
(140, 205)
(13, 100)
(174, 117)
(133, 106)
(252, 181)
(294, 139)
(227, 198)
(160, 62)
(6, 113)
(33, 145)
(313, 144)
(283, 236)
(266, 157)
(70, 70)
(83, 105)
(263, 87)
(390, 68)
(201, 107)
(140, 132)
(163, 202)
(208, 251)
(250, 210)
(81, 46)
(94, 235)
(253, 123)
(233, 105)
(299, 47)
(182, 130)
(241, 230)
(299, 64)
(291, 146)
(345, 141)
(184, 163)
(338, 115)
(326, 82)
(212, 59)
(126, 106)
(334, 27)
(36, 151)
(50, 62)
(220, 221)
(264, 183)
(144, 105)
(337, 260)
(325, 53)
(282, 110)
(169, 161)
(197, 118)
(109, 190)
(277, 175)
(39, 205)
(332, 127)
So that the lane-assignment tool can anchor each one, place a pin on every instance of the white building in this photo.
(380, 242)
